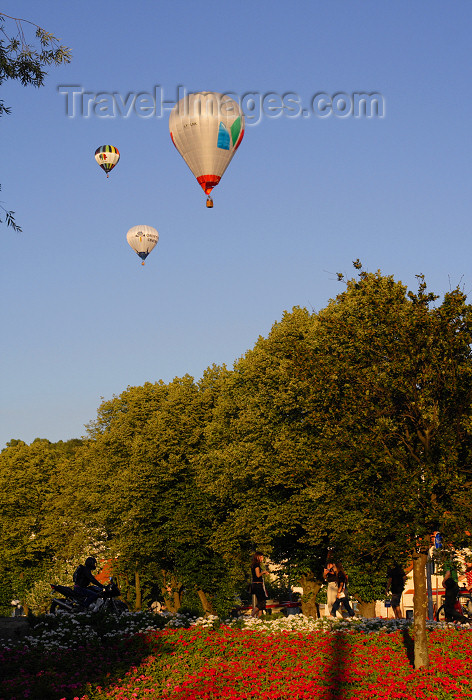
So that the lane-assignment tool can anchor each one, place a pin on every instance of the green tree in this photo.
(31, 526)
(145, 444)
(24, 60)
(102, 469)
(349, 428)
(261, 453)
(392, 380)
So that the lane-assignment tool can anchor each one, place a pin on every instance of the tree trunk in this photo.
(138, 591)
(171, 591)
(420, 607)
(206, 604)
(311, 587)
(366, 609)
(128, 589)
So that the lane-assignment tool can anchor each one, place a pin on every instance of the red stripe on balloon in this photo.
(239, 140)
(208, 182)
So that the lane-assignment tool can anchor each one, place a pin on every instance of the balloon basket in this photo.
(209, 203)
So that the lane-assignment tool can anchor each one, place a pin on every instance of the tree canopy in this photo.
(349, 429)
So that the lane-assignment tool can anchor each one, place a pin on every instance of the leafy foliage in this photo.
(32, 519)
(348, 429)
(9, 216)
(394, 412)
(24, 60)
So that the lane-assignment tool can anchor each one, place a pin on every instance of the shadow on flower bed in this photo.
(409, 646)
(339, 666)
(67, 658)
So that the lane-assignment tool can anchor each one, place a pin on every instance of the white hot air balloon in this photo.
(142, 239)
(207, 128)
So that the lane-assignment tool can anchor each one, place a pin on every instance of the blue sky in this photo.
(302, 198)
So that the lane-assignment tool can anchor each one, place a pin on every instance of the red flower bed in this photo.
(198, 664)
(320, 665)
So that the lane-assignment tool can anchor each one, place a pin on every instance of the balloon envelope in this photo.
(142, 239)
(207, 128)
(107, 157)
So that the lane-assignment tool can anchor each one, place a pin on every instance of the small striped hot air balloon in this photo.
(207, 128)
(142, 239)
(107, 157)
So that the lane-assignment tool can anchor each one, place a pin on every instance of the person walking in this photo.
(258, 588)
(329, 575)
(342, 596)
(396, 578)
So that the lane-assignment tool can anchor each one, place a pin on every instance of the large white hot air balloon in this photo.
(207, 128)
(142, 239)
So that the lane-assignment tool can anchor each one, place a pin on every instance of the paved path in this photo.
(13, 627)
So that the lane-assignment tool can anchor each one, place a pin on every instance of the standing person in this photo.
(451, 588)
(450, 570)
(396, 578)
(468, 576)
(257, 584)
(342, 596)
(329, 575)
